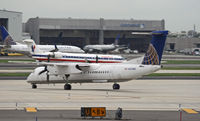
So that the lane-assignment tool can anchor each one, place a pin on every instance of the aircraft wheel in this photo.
(34, 86)
(67, 87)
(116, 86)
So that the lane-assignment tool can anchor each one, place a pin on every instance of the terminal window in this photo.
(3, 22)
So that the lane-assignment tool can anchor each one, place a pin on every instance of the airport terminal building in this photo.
(81, 32)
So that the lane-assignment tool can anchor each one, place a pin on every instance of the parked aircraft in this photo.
(101, 73)
(104, 48)
(13, 46)
(70, 57)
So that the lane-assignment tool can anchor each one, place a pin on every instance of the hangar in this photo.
(13, 22)
(80, 32)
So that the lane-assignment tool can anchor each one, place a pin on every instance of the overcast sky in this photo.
(178, 14)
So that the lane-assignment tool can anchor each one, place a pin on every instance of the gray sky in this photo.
(178, 14)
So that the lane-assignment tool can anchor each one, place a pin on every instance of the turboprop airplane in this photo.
(70, 57)
(13, 46)
(101, 73)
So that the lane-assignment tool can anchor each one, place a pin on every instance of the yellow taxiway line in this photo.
(191, 111)
(31, 109)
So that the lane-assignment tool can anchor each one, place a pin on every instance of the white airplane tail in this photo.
(32, 46)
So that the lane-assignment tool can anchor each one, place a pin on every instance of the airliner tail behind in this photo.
(7, 39)
(117, 40)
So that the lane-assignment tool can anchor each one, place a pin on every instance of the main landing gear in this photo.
(34, 86)
(67, 87)
(116, 86)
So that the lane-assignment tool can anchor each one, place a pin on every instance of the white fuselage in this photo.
(75, 57)
(45, 48)
(99, 47)
(99, 73)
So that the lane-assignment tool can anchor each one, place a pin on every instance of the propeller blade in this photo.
(78, 67)
(97, 59)
(45, 69)
(47, 77)
(48, 58)
(42, 72)
(56, 48)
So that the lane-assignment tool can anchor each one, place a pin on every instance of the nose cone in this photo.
(82, 51)
(30, 78)
(34, 76)
(85, 48)
(78, 50)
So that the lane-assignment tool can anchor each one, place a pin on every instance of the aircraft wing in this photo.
(2, 46)
(97, 49)
(122, 47)
(65, 68)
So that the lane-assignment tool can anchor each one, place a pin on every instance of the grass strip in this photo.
(14, 74)
(6, 61)
(174, 74)
(181, 68)
(182, 62)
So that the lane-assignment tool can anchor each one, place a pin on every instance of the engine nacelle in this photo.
(57, 55)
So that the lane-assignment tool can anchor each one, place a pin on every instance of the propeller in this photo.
(45, 70)
(78, 67)
(56, 49)
(97, 59)
(49, 56)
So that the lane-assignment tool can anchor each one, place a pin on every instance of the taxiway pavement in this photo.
(133, 95)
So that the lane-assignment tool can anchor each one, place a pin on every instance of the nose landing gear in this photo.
(116, 86)
(34, 86)
(67, 87)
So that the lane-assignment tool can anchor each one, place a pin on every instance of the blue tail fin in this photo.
(7, 39)
(154, 53)
(117, 40)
